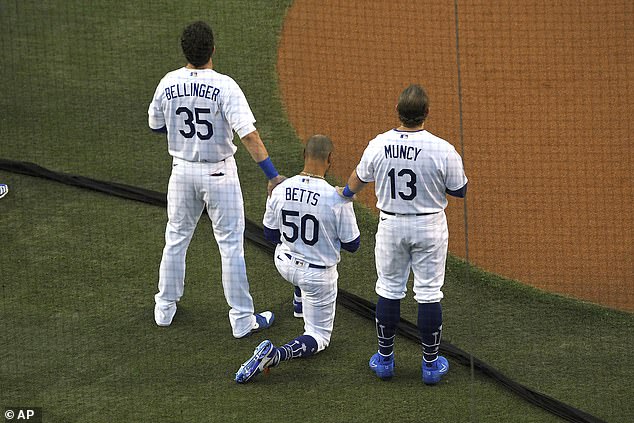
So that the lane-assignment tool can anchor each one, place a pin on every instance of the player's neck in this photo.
(208, 65)
(314, 169)
(412, 128)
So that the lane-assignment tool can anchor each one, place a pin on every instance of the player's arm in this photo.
(271, 231)
(362, 174)
(347, 228)
(239, 116)
(354, 185)
(156, 119)
(455, 179)
(254, 145)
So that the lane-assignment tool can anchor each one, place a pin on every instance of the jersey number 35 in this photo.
(200, 120)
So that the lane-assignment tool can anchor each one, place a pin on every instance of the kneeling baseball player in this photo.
(309, 221)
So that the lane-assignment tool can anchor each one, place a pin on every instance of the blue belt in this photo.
(312, 266)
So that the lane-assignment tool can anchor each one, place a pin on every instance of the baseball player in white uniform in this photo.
(309, 221)
(413, 171)
(199, 109)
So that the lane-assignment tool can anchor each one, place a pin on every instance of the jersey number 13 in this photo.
(410, 184)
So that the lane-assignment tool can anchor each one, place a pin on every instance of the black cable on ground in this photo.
(356, 304)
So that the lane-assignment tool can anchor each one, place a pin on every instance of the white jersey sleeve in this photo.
(365, 168)
(270, 218)
(156, 119)
(236, 109)
(347, 228)
(455, 177)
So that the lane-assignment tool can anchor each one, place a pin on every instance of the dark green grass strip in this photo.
(352, 302)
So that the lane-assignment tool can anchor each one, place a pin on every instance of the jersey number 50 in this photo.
(303, 229)
(189, 122)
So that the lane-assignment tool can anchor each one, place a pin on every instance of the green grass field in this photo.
(78, 269)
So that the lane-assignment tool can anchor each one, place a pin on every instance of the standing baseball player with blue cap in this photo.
(309, 222)
(200, 109)
(413, 171)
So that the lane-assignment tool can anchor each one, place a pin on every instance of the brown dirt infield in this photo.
(548, 94)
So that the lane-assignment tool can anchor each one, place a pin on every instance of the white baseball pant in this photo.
(319, 294)
(194, 186)
(416, 243)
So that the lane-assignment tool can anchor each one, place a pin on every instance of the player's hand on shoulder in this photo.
(275, 182)
(340, 192)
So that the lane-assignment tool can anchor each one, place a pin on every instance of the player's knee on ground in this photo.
(323, 340)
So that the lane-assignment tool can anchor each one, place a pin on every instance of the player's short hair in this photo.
(318, 147)
(413, 106)
(197, 42)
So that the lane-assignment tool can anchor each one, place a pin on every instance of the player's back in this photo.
(312, 218)
(412, 170)
(200, 108)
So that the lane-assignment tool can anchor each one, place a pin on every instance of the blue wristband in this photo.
(267, 167)
(347, 192)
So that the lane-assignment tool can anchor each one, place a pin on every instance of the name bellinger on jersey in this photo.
(192, 89)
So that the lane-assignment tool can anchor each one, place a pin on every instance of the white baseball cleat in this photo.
(164, 314)
(4, 189)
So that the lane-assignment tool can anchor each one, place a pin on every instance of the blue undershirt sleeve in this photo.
(272, 235)
(353, 245)
(161, 130)
(460, 193)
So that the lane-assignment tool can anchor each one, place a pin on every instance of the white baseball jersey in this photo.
(200, 108)
(412, 170)
(312, 218)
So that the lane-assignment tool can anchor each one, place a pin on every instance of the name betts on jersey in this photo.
(297, 194)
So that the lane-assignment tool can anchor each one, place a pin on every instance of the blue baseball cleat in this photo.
(382, 366)
(432, 374)
(263, 321)
(263, 355)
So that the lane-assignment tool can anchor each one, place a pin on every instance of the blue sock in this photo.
(388, 314)
(298, 294)
(302, 346)
(430, 328)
